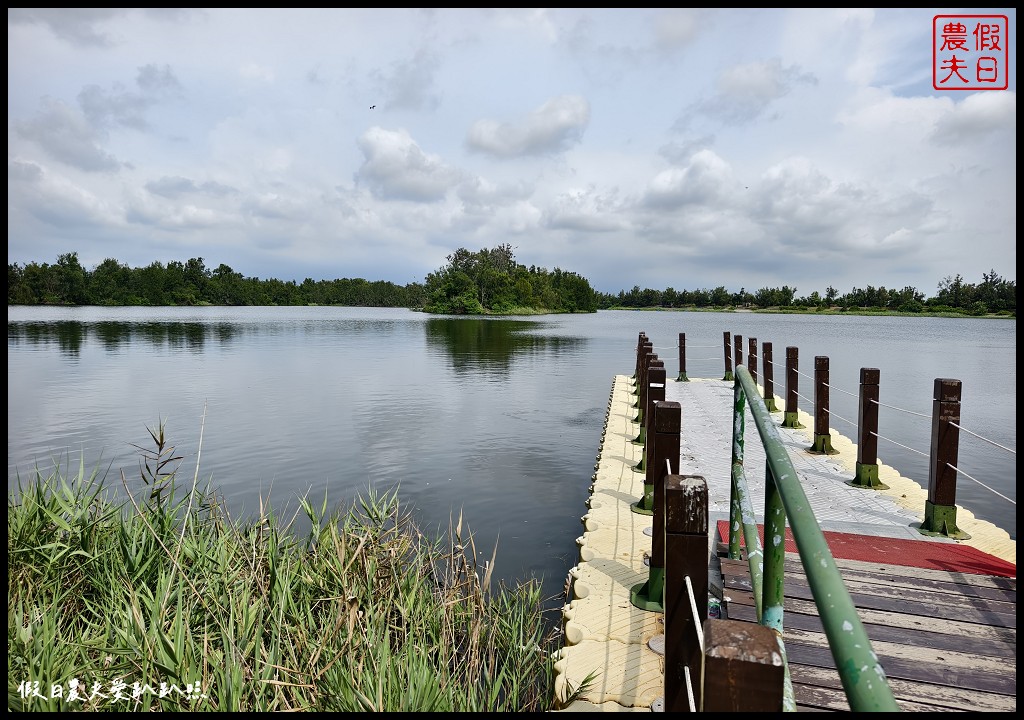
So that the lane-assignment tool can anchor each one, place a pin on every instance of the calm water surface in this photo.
(497, 418)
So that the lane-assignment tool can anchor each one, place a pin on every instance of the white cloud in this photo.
(552, 128)
(979, 115)
(66, 135)
(395, 168)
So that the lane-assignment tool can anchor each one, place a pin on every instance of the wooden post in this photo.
(645, 348)
(737, 341)
(653, 457)
(866, 472)
(648, 351)
(650, 360)
(639, 344)
(940, 507)
(651, 594)
(769, 377)
(728, 356)
(791, 419)
(655, 391)
(822, 438)
(686, 556)
(682, 359)
(743, 668)
(752, 358)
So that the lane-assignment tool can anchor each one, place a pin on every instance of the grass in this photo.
(159, 584)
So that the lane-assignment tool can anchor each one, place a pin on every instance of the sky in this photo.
(651, 148)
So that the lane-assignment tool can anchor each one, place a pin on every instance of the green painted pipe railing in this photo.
(864, 681)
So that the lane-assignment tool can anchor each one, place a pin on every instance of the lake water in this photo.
(500, 419)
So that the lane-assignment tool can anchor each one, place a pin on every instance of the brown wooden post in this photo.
(791, 419)
(866, 472)
(752, 358)
(645, 348)
(940, 507)
(651, 361)
(728, 356)
(665, 447)
(639, 344)
(648, 352)
(682, 359)
(655, 450)
(686, 556)
(769, 377)
(655, 391)
(822, 438)
(743, 668)
(737, 341)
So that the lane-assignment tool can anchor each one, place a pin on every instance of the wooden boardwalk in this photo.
(947, 640)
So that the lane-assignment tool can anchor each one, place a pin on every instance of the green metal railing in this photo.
(865, 683)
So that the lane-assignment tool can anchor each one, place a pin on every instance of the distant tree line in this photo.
(992, 295)
(486, 281)
(189, 283)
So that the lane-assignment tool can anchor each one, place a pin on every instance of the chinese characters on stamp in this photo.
(970, 52)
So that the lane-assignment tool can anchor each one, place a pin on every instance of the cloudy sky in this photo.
(651, 147)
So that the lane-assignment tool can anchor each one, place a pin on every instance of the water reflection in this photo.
(70, 336)
(490, 345)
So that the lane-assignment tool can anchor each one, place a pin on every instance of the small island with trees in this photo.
(489, 281)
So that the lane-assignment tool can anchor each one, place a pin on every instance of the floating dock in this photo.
(611, 660)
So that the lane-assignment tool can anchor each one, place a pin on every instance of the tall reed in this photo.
(168, 603)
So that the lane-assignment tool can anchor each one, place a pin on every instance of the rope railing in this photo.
(905, 447)
(942, 457)
(909, 412)
(818, 407)
(991, 442)
(809, 377)
(846, 392)
(833, 413)
(981, 483)
(697, 627)
(699, 631)
(893, 407)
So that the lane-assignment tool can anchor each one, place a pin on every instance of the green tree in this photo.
(109, 283)
(70, 280)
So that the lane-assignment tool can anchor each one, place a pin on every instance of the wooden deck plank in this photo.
(947, 642)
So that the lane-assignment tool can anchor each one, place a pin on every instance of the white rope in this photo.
(850, 422)
(697, 625)
(893, 407)
(900, 444)
(803, 397)
(840, 390)
(689, 687)
(982, 484)
(981, 438)
(809, 377)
